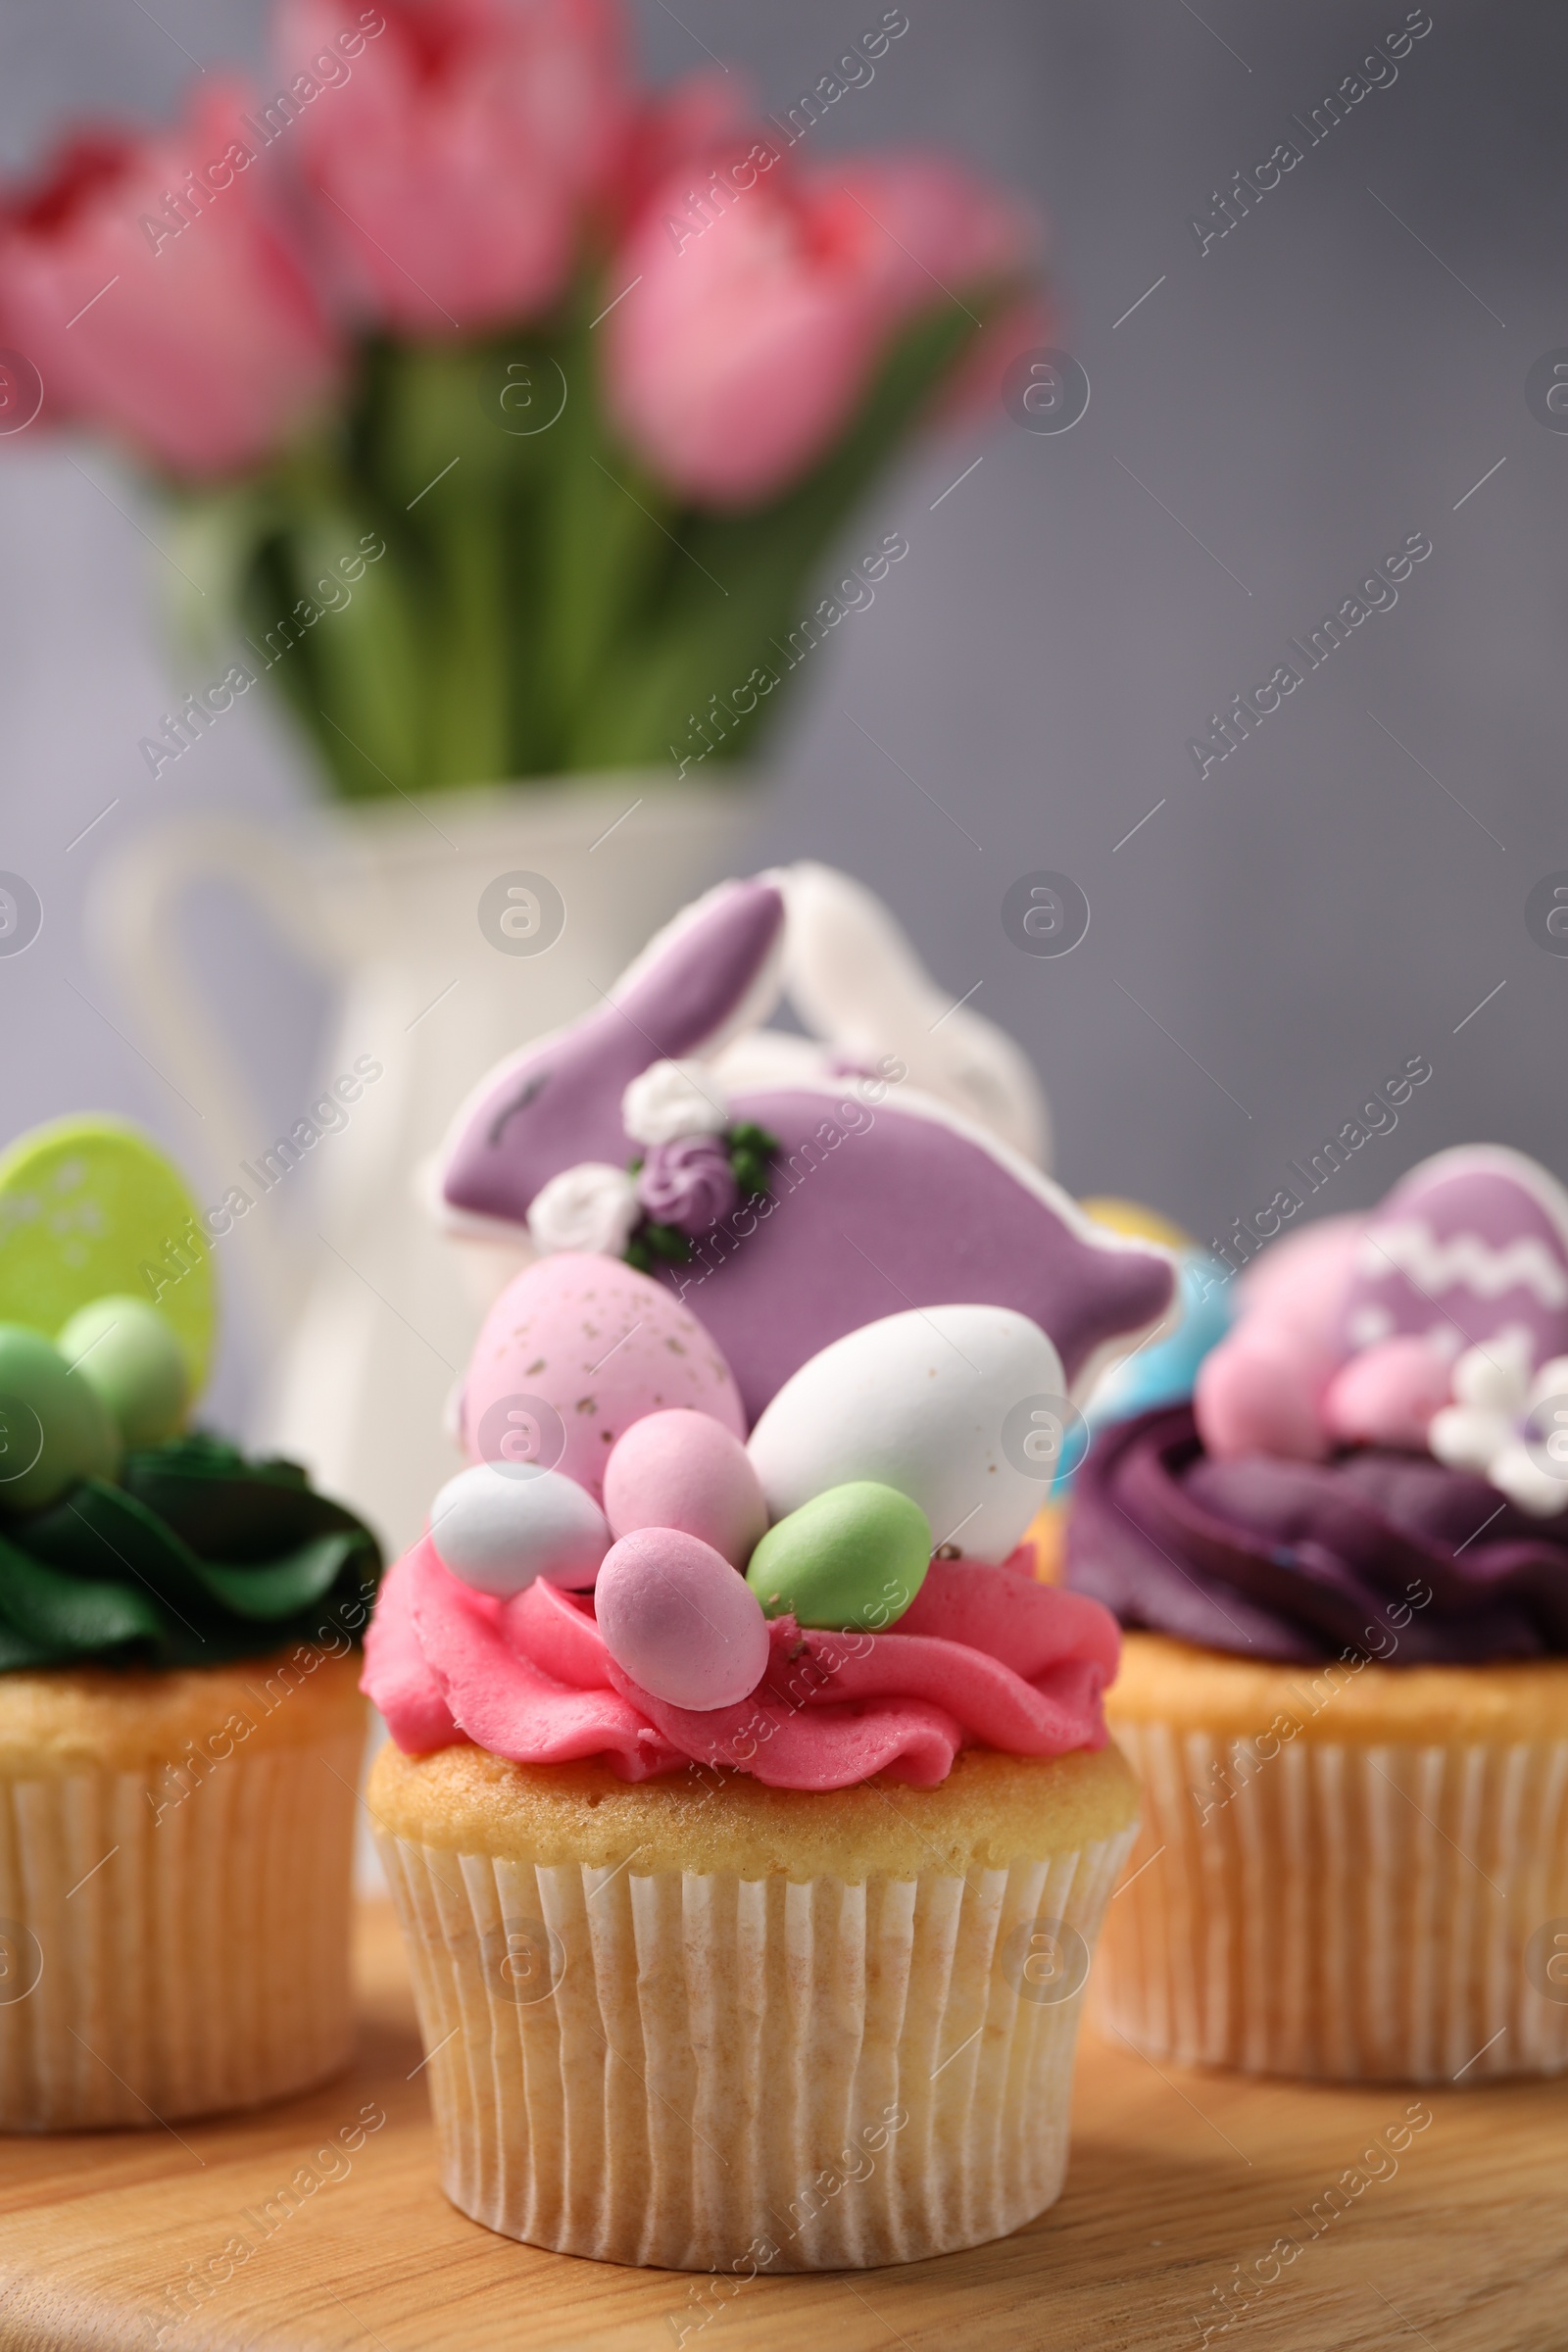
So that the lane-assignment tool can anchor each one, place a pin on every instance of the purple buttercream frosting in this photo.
(1385, 1554)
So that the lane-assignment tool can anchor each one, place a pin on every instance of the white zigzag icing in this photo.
(1525, 1264)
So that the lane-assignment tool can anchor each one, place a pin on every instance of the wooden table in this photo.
(1176, 2179)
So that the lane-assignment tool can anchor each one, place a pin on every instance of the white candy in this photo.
(497, 1527)
(943, 1403)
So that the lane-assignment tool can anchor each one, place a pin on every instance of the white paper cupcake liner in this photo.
(161, 1956)
(1351, 1912)
(715, 2073)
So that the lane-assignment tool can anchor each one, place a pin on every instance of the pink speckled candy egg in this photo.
(685, 1470)
(677, 1619)
(572, 1352)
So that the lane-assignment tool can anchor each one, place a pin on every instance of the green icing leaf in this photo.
(278, 1590)
(242, 1511)
(16, 1651)
(751, 1174)
(751, 1149)
(99, 1530)
(747, 1136)
(198, 1558)
(65, 1615)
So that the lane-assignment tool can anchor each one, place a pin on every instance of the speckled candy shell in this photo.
(601, 1345)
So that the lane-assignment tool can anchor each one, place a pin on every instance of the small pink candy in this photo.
(677, 1619)
(1301, 1279)
(684, 1470)
(1258, 1393)
(577, 1350)
(1387, 1395)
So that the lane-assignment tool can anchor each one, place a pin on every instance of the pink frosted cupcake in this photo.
(749, 1807)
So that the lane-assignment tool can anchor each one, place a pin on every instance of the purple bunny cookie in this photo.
(879, 1198)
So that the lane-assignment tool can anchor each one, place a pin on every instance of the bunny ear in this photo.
(712, 972)
(856, 980)
(707, 975)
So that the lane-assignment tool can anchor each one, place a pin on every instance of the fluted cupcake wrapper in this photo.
(705, 2071)
(166, 1955)
(1347, 1911)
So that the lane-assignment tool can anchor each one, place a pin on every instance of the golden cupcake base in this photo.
(176, 1855)
(705, 2025)
(1344, 1873)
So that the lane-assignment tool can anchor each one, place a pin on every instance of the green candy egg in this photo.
(856, 1555)
(54, 1429)
(128, 1355)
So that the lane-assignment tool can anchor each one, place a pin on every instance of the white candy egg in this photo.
(945, 1403)
(500, 1526)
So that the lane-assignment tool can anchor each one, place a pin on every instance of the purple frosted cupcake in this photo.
(1344, 1574)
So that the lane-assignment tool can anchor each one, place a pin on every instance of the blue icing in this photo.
(1162, 1373)
(1076, 1441)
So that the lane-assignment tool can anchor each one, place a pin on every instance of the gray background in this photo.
(1272, 419)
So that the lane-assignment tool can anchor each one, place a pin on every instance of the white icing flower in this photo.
(1499, 1428)
(671, 1099)
(592, 1206)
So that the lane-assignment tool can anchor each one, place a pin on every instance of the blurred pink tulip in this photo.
(682, 129)
(147, 282)
(456, 157)
(936, 231)
(762, 301)
(971, 394)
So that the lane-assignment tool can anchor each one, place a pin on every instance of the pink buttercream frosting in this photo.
(985, 1657)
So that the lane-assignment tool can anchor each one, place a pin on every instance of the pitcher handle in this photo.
(132, 907)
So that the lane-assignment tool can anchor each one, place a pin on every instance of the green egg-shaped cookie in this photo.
(90, 1206)
(125, 1351)
(54, 1429)
(856, 1555)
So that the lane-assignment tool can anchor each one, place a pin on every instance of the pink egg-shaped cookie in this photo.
(677, 1619)
(572, 1352)
(685, 1470)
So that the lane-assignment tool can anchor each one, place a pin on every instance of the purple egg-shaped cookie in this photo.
(1471, 1243)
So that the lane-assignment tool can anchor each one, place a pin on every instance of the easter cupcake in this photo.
(1345, 1582)
(181, 1732)
(749, 1808)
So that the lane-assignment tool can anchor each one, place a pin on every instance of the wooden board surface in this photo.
(1177, 2178)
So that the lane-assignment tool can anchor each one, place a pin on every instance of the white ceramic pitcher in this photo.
(367, 1313)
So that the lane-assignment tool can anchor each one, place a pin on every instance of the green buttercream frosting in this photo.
(194, 1558)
